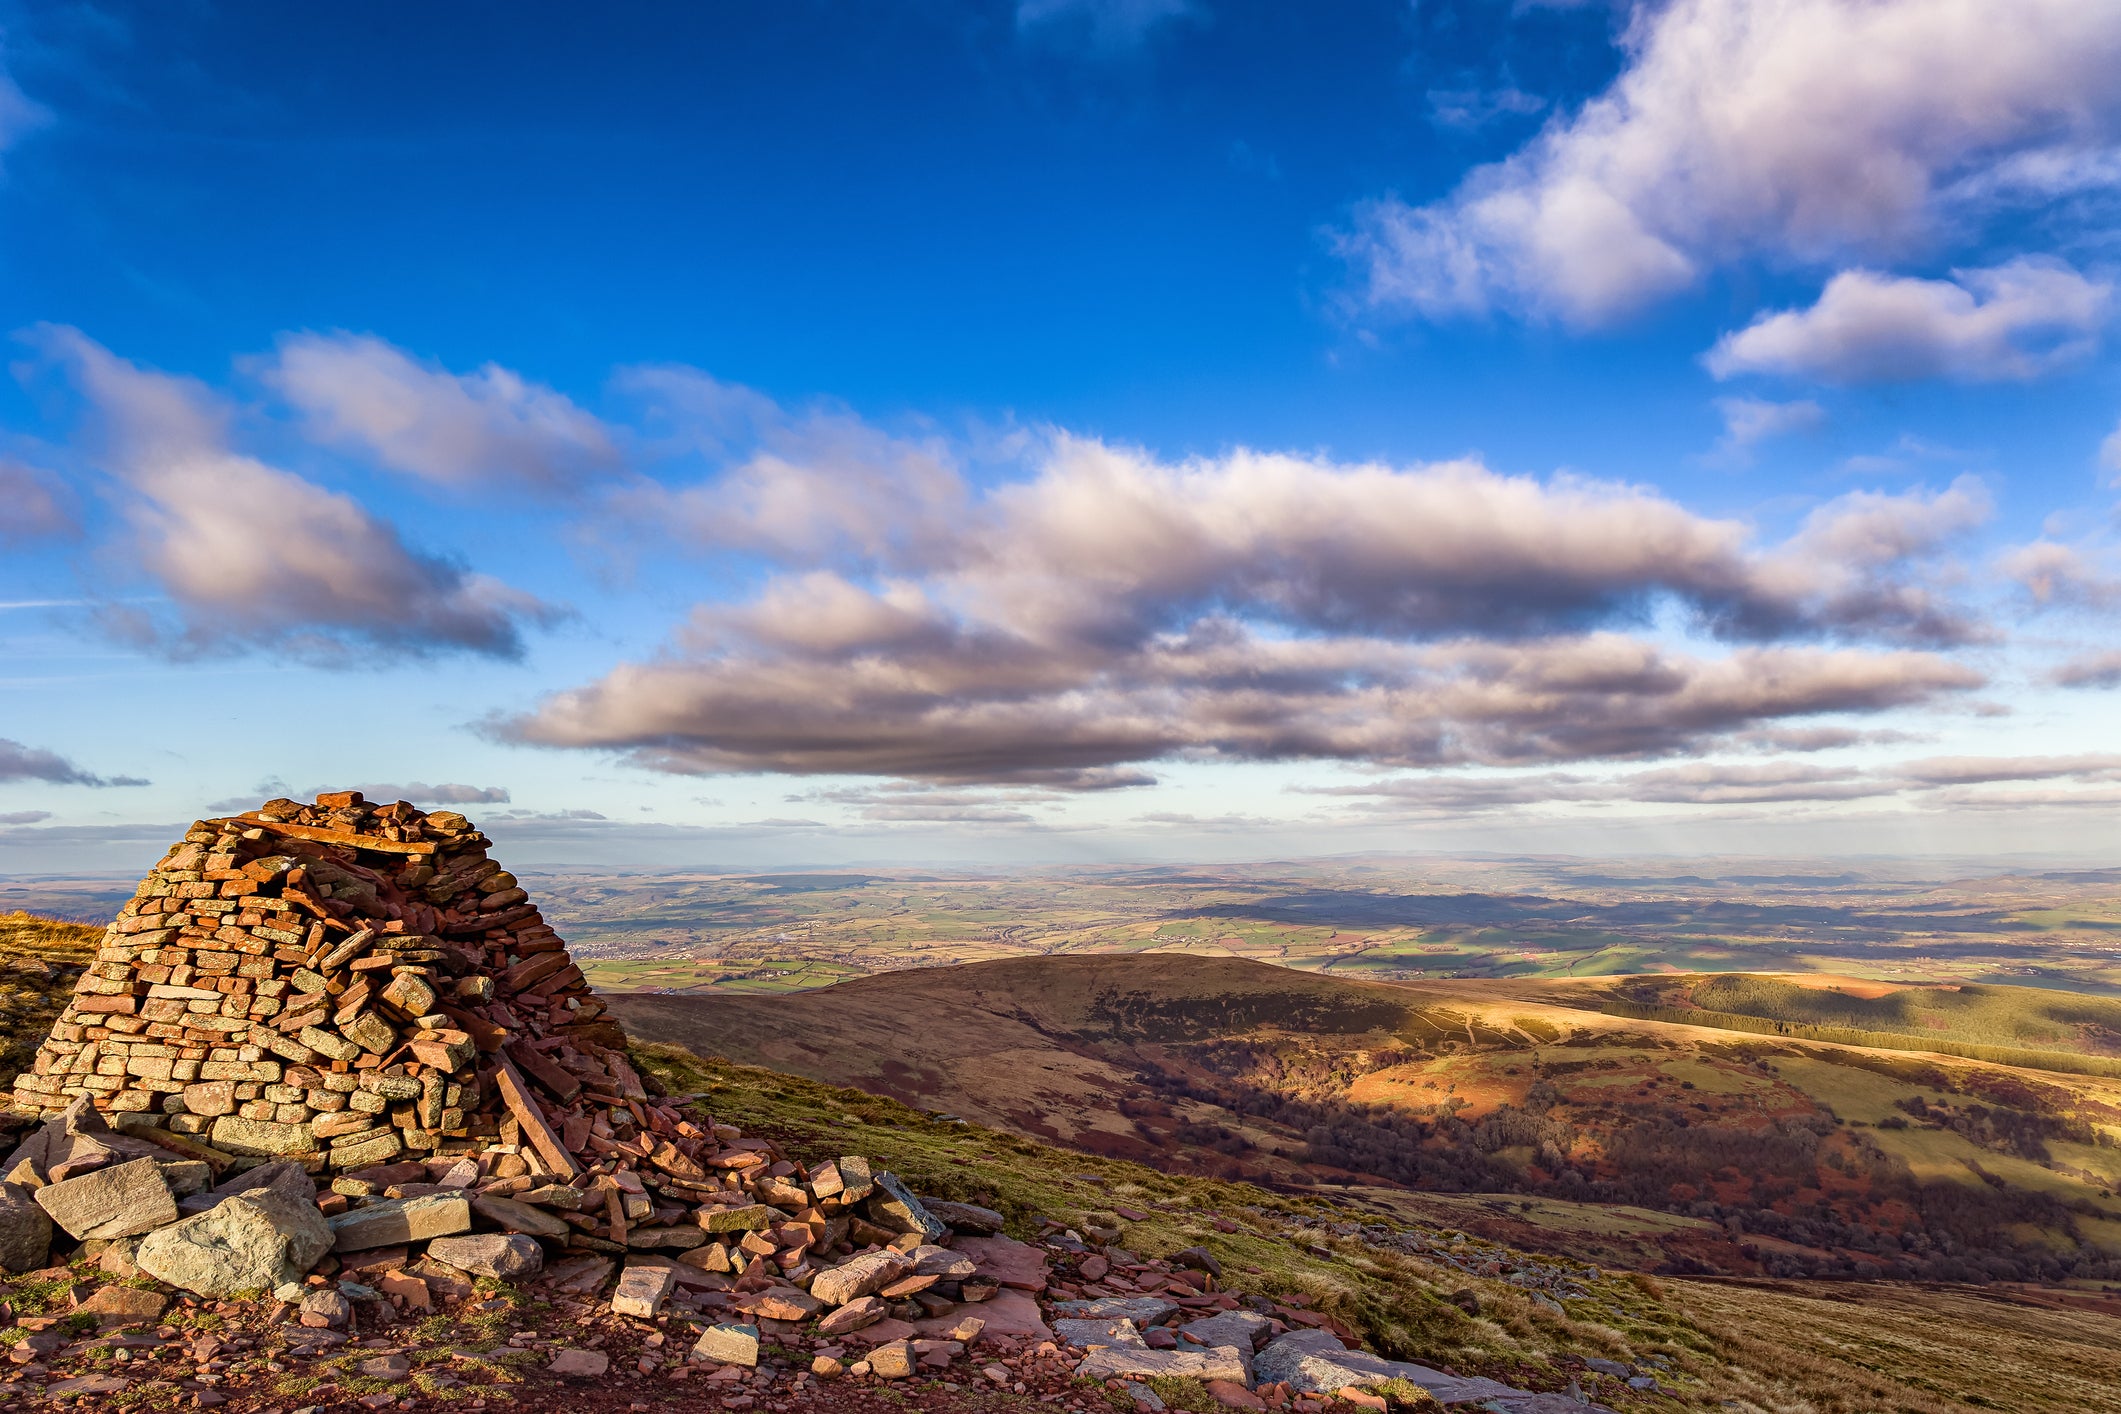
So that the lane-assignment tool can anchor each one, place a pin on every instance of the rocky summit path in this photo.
(1055, 1323)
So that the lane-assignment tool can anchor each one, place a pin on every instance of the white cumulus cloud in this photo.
(1814, 131)
(1109, 610)
(458, 429)
(251, 555)
(1747, 422)
(2008, 322)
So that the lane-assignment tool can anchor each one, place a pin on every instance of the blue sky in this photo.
(1065, 429)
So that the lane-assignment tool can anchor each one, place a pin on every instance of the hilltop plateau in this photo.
(1456, 1172)
(1411, 1283)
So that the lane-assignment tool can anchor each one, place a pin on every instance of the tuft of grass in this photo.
(1182, 1393)
(39, 1296)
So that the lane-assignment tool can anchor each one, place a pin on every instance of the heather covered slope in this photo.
(1040, 1046)
(1764, 1156)
(1747, 1347)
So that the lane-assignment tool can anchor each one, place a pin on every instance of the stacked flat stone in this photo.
(343, 984)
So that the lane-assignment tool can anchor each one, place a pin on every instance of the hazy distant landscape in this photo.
(1381, 918)
(1386, 919)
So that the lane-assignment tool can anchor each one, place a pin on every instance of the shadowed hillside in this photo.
(1766, 1156)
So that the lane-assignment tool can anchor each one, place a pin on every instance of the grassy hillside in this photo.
(1415, 1284)
(1792, 1159)
(1975, 1015)
(39, 960)
(1758, 1348)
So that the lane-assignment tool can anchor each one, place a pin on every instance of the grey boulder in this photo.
(1315, 1362)
(894, 1206)
(1096, 1335)
(253, 1241)
(1243, 1329)
(967, 1218)
(1142, 1310)
(25, 1230)
(1127, 1361)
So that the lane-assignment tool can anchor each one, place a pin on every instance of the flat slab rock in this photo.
(1142, 1310)
(582, 1364)
(1121, 1362)
(1243, 1329)
(859, 1276)
(1542, 1404)
(885, 1332)
(931, 1261)
(490, 1254)
(1316, 1362)
(1006, 1313)
(1091, 1334)
(967, 1218)
(511, 1216)
(729, 1345)
(1016, 1265)
(123, 1200)
(398, 1220)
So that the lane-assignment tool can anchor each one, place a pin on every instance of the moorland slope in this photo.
(1413, 1286)
(1718, 1152)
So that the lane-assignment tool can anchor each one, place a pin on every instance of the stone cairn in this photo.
(345, 983)
(359, 994)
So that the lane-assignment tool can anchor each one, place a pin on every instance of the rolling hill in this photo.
(1698, 1148)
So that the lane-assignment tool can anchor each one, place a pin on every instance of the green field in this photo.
(1980, 1015)
(2023, 1026)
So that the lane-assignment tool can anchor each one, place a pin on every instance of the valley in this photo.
(1688, 1149)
